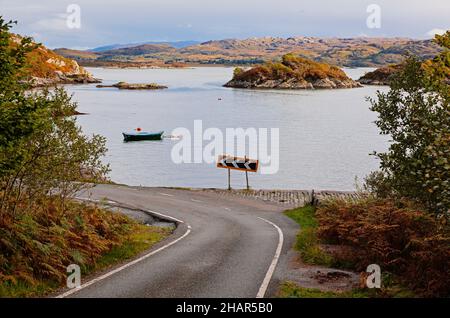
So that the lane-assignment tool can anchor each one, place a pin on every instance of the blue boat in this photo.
(142, 135)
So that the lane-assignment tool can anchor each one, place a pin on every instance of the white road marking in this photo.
(195, 200)
(273, 265)
(106, 275)
(91, 282)
(228, 209)
(261, 292)
(164, 215)
(166, 194)
(95, 200)
(149, 211)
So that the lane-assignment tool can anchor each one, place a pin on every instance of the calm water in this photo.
(325, 136)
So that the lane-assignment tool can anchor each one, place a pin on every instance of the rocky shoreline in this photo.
(294, 83)
(47, 68)
(125, 85)
(64, 79)
(293, 72)
(381, 76)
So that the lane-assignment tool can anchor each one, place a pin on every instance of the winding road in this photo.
(223, 246)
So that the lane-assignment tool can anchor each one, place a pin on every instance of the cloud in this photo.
(433, 32)
(113, 21)
(55, 23)
(187, 26)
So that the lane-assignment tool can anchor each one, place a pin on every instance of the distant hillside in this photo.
(76, 54)
(292, 73)
(348, 52)
(46, 67)
(176, 44)
(145, 49)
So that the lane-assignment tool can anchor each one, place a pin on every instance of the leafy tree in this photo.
(415, 113)
(42, 150)
(13, 105)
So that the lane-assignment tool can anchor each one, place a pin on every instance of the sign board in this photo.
(237, 163)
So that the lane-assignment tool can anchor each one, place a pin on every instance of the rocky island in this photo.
(125, 85)
(381, 76)
(292, 72)
(384, 75)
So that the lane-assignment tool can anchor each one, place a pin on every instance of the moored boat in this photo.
(142, 135)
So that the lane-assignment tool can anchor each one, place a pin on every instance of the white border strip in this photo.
(131, 208)
(162, 215)
(273, 265)
(95, 280)
(166, 194)
(91, 282)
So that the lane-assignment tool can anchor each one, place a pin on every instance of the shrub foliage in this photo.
(398, 236)
(291, 66)
(42, 155)
(415, 113)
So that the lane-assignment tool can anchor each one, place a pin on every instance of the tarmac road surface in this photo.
(226, 246)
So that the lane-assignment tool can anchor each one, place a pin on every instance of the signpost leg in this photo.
(229, 179)
(246, 175)
(246, 178)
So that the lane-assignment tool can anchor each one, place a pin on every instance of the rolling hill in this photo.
(348, 52)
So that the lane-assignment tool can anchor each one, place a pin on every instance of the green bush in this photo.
(307, 242)
(41, 146)
(415, 113)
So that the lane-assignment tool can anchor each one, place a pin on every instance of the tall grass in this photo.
(36, 247)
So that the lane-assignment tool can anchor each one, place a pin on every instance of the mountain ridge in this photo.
(343, 52)
(175, 44)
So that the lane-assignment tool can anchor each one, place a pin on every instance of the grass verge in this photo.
(390, 290)
(139, 238)
(307, 242)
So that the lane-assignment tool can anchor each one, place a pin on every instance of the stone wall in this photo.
(289, 198)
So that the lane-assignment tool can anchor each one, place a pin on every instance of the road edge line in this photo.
(125, 206)
(108, 274)
(265, 284)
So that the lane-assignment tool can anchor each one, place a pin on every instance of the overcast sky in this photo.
(118, 21)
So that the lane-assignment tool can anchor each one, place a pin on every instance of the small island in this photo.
(384, 75)
(292, 72)
(125, 85)
(381, 76)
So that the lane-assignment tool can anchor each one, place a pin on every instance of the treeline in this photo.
(44, 161)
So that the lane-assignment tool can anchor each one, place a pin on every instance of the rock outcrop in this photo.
(62, 78)
(125, 85)
(292, 73)
(381, 76)
(46, 68)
